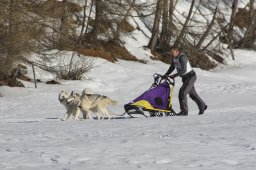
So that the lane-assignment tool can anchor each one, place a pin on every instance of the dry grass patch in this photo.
(200, 60)
(242, 18)
(109, 51)
(53, 8)
(125, 26)
(11, 82)
(158, 56)
(93, 52)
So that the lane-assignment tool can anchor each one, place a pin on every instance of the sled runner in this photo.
(157, 101)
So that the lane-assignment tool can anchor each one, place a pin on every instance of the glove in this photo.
(172, 76)
(165, 76)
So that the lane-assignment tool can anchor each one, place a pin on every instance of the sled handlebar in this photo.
(159, 78)
(171, 80)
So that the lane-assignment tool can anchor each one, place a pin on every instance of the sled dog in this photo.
(72, 108)
(92, 103)
(87, 91)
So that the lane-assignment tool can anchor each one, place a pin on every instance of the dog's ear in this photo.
(72, 93)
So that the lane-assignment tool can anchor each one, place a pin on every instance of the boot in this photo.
(201, 111)
(181, 114)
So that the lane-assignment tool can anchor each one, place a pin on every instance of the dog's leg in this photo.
(65, 117)
(90, 115)
(97, 114)
(102, 114)
(107, 115)
(106, 112)
(77, 114)
(85, 114)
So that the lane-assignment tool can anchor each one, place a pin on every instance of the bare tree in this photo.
(227, 39)
(83, 23)
(155, 31)
(231, 22)
(182, 32)
(117, 32)
(250, 35)
(97, 24)
(207, 31)
(23, 32)
(167, 23)
(13, 49)
(215, 37)
(64, 27)
(21, 29)
(251, 9)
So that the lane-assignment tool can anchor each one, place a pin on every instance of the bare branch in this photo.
(185, 24)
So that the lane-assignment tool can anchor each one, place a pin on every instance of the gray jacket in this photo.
(182, 65)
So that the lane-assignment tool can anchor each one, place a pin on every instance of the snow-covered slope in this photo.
(33, 137)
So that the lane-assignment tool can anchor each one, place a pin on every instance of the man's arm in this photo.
(170, 70)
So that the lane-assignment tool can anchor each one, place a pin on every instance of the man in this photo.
(184, 70)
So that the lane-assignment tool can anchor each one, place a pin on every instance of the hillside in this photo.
(134, 31)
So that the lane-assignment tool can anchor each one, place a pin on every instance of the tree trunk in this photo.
(206, 33)
(165, 25)
(228, 40)
(249, 36)
(171, 24)
(64, 27)
(215, 37)
(178, 40)
(155, 31)
(98, 19)
(83, 23)
(231, 22)
(251, 9)
(89, 16)
(12, 48)
(117, 32)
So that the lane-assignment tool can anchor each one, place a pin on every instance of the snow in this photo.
(33, 137)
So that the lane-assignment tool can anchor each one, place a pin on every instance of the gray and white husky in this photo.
(72, 108)
(91, 103)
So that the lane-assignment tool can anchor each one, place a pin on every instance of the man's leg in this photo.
(200, 103)
(194, 96)
(188, 83)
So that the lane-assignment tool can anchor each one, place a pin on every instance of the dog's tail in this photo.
(110, 101)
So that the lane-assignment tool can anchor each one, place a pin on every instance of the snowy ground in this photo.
(33, 137)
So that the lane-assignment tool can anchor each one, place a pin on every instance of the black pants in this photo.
(188, 88)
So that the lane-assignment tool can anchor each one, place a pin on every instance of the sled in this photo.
(156, 101)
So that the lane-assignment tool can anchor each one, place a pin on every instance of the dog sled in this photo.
(156, 101)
